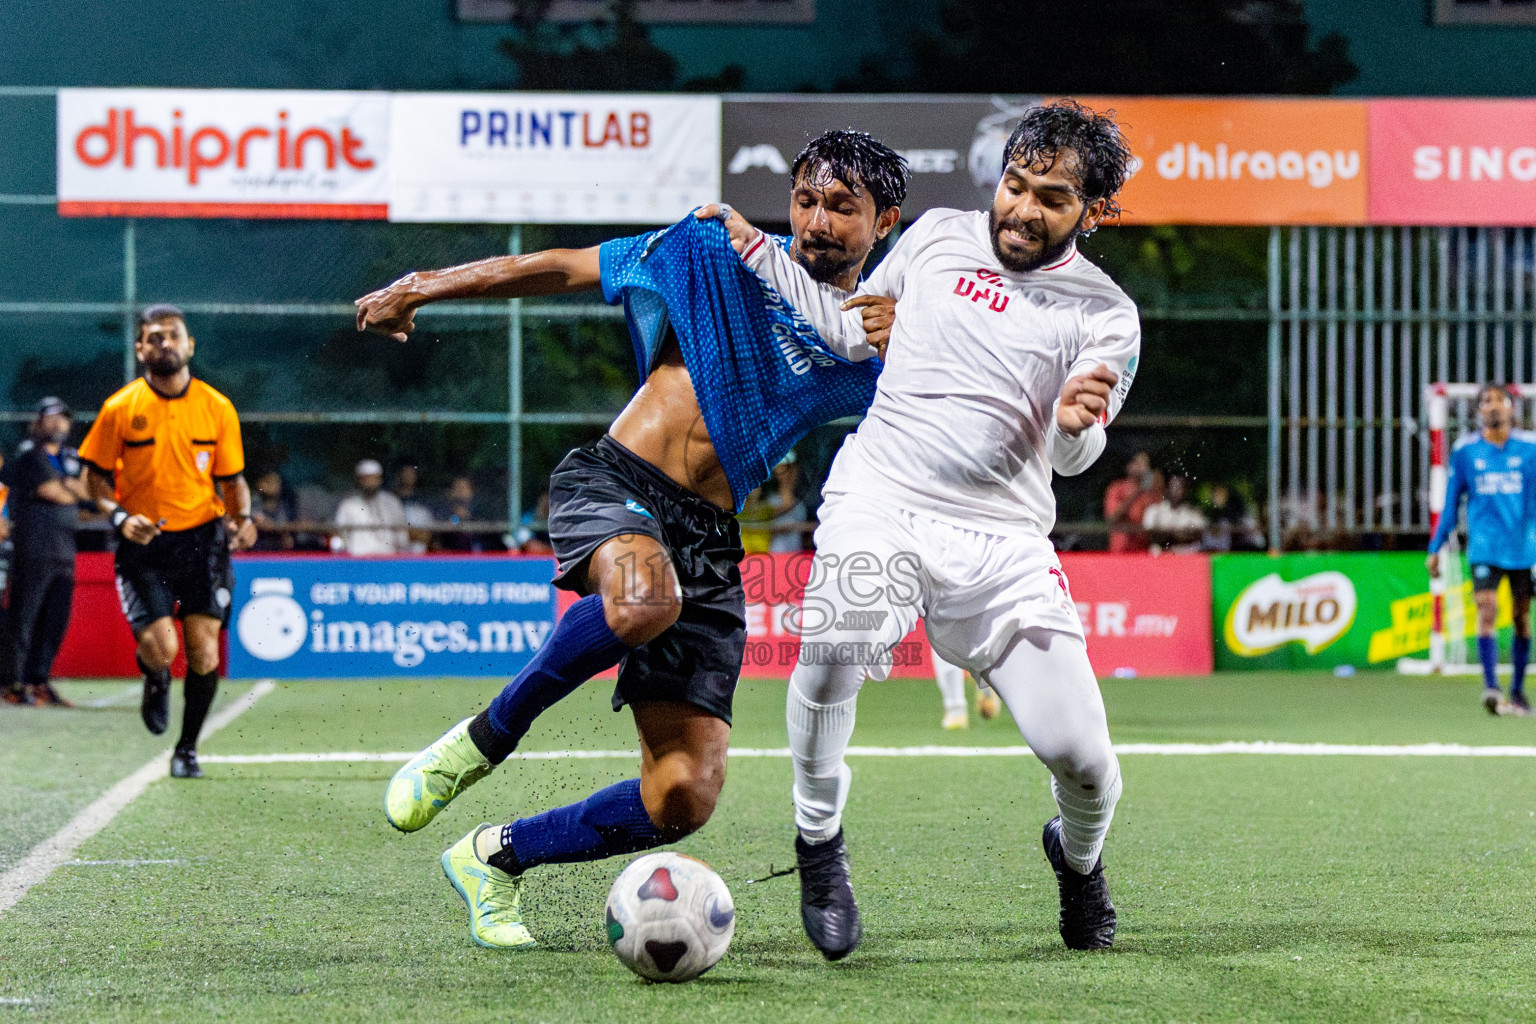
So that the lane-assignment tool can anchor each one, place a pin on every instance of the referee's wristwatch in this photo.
(119, 517)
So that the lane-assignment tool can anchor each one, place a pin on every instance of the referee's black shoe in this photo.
(156, 707)
(1087, 916)
(184, 764)
(827, 908)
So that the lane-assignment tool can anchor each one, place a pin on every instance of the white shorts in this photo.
(878, 570)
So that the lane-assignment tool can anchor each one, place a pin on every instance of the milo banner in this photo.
(1323, 610)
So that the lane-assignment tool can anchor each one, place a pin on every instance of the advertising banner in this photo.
(1244, 161)
(1141, 615)
(1297, 611)
(311, 618)
(222, 153)
(553, 158)
(954, 145)
(1453, 162)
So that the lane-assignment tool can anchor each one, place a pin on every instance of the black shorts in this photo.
(180, 572)
(605, 491)
(1487, 577)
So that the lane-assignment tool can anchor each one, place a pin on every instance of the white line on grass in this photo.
(118, 863)
(59, 847)
(121, 697)
(1166, 749)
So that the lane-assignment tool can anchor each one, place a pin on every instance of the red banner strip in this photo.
(269, 211)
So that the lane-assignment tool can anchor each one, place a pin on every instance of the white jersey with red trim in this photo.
(963, 425)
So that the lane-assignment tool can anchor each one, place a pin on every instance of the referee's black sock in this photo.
(162, 675)
(201, 687)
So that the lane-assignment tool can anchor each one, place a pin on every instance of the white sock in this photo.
(1085, 821)
(818, 736)
(951, 680)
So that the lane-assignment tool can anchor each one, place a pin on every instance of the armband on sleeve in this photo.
(1071, 455)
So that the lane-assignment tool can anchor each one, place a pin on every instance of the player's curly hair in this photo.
(1103, 156)
(858, 160)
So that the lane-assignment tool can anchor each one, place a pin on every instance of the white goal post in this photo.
(1448, 623)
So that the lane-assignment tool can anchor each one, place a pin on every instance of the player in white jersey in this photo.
(1009, 353)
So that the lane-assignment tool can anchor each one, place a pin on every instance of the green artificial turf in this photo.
(1250, 888)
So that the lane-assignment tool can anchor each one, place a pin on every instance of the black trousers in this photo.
(41, 594)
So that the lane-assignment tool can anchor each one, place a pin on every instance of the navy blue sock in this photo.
(580, 647)
(608, 823)
(1488, 654)
(1520, 654)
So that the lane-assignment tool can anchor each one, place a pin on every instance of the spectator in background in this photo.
(1230, 526)
(1126, 502)
(10, 689)
(1174, 524)
(376, 517)
(418, 518)
(47, 492)
(458, 509)
(784, 496)
(532, 534)
(274, 505)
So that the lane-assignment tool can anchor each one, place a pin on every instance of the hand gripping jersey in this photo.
(165, 453)
(762, 375)
(1500, 485)
(963, 425)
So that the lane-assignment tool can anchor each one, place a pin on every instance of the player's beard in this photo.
(825, 260)
(165, 364)
(1051, 252)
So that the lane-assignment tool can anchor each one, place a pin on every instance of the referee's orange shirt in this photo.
(165, 453)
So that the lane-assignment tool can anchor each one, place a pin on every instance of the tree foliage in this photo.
(1137, 47)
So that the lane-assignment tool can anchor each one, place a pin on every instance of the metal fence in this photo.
(1361, 321)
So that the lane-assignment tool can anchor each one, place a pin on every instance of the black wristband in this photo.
(119, 517)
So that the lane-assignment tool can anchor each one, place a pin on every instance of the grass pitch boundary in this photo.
(60, 847)
(1263, 748)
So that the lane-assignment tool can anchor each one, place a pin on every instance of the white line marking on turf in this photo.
(58, 848)
(1166, 749)
(122, 697)
(118, 863)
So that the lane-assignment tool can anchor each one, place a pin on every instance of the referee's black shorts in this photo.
(180, 572)
(1487, 577)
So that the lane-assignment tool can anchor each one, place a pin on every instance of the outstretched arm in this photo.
(391, 310)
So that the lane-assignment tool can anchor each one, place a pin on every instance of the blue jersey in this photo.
(762, 375)
(1500, 487)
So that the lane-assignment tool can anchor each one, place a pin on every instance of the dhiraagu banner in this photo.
(1327, 609)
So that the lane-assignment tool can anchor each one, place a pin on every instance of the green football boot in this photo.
(431, 779)
(492, 895)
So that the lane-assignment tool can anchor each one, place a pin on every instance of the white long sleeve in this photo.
(821, 304)
(1072, 455)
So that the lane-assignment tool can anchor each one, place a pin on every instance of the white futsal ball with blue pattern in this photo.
(670, 917)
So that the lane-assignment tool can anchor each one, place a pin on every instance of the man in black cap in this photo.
(47, 493)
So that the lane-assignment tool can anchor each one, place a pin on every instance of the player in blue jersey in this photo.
(1496, 471)
(642, 521)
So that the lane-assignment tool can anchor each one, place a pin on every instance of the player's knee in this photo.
(683, 798)
(203, 658)
(636, 618)
(1087, 770)
(157, 648)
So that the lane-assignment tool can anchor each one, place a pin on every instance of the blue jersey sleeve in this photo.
(1455, 487)
(620, 265)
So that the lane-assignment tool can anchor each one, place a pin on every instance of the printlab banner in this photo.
(1141, 616)
(1323, 610)
(223, 153)
(552, 158)
(306, 618)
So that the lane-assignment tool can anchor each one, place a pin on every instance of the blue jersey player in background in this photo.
(642, 520)
(1496, 471)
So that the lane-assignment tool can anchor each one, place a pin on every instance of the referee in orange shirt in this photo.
(164, 459)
